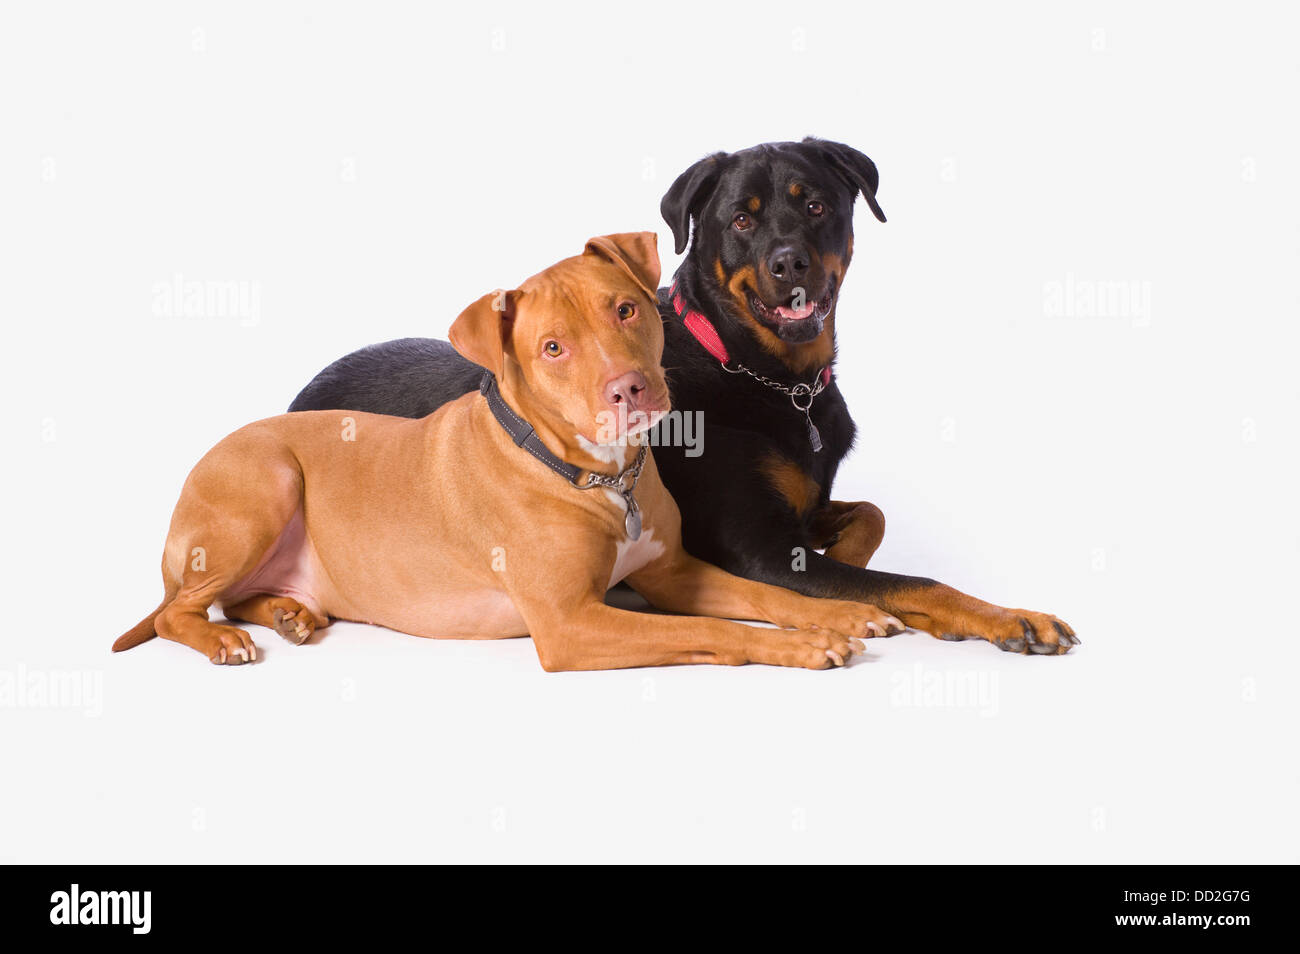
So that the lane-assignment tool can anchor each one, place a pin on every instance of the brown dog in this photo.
(462, 524)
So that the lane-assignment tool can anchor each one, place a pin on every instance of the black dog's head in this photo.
(774, 232)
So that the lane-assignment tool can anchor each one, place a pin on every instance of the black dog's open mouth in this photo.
(797, 319)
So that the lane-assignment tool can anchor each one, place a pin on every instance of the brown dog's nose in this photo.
(627, 390)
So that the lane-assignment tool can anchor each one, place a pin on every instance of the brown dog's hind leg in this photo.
(189, 624)
(283, 614)
(234, 505)
(849, 532)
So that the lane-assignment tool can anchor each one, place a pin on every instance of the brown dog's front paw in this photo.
(1038, 634)
(803, 648)
(859, 620)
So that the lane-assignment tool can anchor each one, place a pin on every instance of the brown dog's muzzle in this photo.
(627, 391)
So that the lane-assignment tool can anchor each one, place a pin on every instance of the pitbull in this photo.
(507, 512)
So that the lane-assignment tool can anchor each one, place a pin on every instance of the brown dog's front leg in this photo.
(603, 637)
(683, 584)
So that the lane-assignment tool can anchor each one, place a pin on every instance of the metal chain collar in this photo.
(800, 395)
(619, 485)
(617, 482)
(796, 392)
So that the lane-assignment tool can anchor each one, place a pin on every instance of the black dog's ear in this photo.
(687, 195)
(853, 165)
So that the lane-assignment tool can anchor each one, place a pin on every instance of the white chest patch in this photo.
(615, 454)
(634, 554)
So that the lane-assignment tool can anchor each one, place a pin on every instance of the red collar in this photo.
(702, 330)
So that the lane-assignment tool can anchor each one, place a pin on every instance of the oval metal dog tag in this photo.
(632, 522)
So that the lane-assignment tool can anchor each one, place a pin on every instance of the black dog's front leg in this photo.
(919, 602)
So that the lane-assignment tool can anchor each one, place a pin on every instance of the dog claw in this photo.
(1032, 641)
(1067, 635)
(857, 646)
(1030, 636)
(835, 657)
(290, 626)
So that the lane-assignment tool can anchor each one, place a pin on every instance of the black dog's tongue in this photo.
(797, 314)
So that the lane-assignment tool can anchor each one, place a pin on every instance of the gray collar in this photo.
(522, 433)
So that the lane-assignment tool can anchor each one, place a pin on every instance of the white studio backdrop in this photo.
(1070, 353)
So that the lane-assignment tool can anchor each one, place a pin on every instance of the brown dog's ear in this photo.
(854, 166)
(480, 332)
(637, 253)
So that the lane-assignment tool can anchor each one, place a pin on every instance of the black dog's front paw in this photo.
(1037, 634)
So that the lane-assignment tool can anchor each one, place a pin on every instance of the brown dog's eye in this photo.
(816, 208)
(553, 349)
(742, 221)
(626, 311)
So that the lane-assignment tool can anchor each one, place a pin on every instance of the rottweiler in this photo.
(749, 325)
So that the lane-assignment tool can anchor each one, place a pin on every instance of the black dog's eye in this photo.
(816, 208)
(742, 221)
(627, 311)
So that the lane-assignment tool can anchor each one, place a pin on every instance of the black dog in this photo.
(750, 342)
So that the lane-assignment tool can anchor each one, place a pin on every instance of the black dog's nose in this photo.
(788, 264)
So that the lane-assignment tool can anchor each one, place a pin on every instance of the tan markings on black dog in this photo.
(950, 614)
(790, 481)
(738, 285)
(754, 203)
(803, 358)
(849, 532)
(833, 264)
(796, 189)
(816, 354)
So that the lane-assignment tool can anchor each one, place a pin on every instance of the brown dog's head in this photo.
(578, 345)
